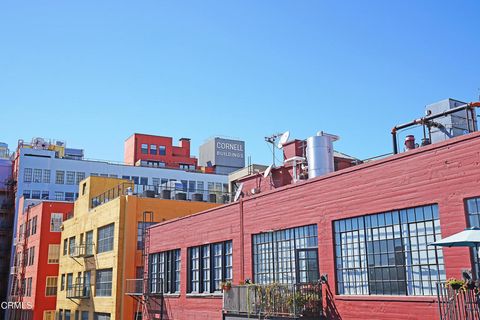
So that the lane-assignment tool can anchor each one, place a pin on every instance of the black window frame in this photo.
(168, 272)
(212, 284)
(396, 258)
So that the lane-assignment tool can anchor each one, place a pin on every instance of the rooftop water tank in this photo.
(320, 154)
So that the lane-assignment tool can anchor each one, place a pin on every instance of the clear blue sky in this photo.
(93, 72)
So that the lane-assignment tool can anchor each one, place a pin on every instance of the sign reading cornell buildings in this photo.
(223, 152)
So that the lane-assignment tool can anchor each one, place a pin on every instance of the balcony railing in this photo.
(82, 250)
(177, 192)
(289, 301)
(458, 303)
(139, 287)
(134, 287)
(78, 291)
(14, 270)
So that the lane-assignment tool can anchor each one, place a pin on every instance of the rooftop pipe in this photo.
(428, 119)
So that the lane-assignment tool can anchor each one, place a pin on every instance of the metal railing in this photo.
(78, 291)
(134, 287)
(162, 192)
(140, 287)
(458, 303)
(289, 301)
(82, 250)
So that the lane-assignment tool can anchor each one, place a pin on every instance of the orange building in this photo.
(102, 246)
(37, 255)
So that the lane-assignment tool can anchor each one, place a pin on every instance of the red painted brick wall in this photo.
(41, 239)
(444, 173)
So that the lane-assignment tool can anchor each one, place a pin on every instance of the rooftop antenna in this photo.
(277, 140)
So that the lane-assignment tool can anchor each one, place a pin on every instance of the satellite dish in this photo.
(283, 139)
(267, 171)
(238, 193)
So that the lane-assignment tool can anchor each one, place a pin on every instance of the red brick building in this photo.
(367, 228)
(158, 151)
(37, 257)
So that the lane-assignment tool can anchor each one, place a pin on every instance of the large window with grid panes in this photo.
(105, 238)
(164, 272)
(208, 266)
(472, 207)
(388, 253)
(286, 256)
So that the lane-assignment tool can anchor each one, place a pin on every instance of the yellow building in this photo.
(101, 247)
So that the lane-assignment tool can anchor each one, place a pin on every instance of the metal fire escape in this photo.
(21, 285)
(148, 304)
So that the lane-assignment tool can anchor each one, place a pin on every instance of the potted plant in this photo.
(226, 285)
(455, 284)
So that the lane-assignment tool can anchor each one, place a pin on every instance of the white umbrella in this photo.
(467, 238)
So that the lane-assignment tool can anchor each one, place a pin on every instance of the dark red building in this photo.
(36, 259)
(158, 151)
(366, 228)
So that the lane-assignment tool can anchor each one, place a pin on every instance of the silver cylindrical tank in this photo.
(320, 154)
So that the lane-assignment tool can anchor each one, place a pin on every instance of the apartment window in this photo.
(36, 194)
(200, 186)
(140, 228)
(49, 315)
(84, 315)
(51, 286)
(26, 194)
(62, 283)
(31, 256)
(101, 316)
(144, 148)
(65, 246)
(89, 243)
(70, 177)
(37, 175)
(59, 196)
(60, 314)
(105, 238)
(46, 176)
(27, 175)
(162, 150)
(60, 177)
(53, 253)
(71, 245)
(67, 315)
(208, 266)
(79, 177)
(211, 186)
(165, 271)
(69, 281)
(45, 195)
(103, 283)
(29, 287)
(153, 149)
(135, 179)
(276, 255)
(34, 225)
(93, 174)
(191, 186)
(156, 181)
(69, 196)
(143, 181)
(28, 228)
(388, 253)
(56, 220)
